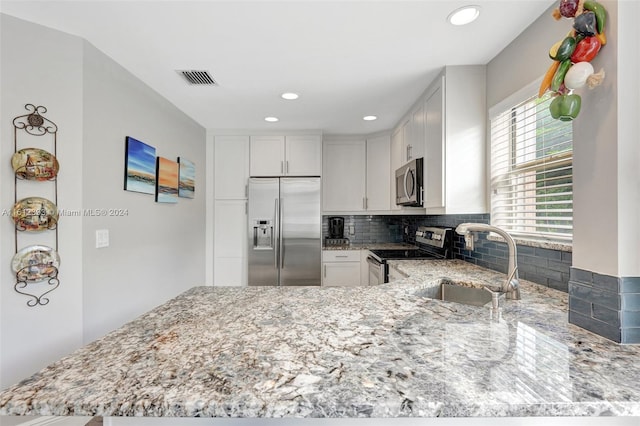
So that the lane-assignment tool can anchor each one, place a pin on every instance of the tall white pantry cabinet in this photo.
(231, 173)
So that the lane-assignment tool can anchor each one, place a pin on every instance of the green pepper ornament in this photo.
(565, 107)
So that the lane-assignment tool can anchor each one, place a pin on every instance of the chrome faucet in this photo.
(511, 287)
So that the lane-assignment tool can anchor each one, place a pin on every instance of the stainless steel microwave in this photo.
(409, 186)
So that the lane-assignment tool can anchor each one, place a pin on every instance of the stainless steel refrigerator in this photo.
(285, 232)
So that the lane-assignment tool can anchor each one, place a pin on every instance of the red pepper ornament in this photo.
(586, 50)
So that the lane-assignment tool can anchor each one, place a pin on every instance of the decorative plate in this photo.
(34, 214)
(35, 164)
(35, 263)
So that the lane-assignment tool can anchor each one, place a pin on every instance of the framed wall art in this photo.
(187, 184)
(167, 180)
(140, 167)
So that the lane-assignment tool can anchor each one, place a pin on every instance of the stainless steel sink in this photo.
(466, 295)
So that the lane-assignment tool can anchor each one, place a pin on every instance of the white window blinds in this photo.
(531, 172)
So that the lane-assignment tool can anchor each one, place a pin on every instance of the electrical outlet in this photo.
(102, 238)
(352, 230)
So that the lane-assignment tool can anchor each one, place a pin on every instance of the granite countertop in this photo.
(380, 351)
(370, 246)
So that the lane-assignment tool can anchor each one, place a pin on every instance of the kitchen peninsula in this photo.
(379, 351)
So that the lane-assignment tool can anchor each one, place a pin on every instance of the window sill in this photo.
(550, 245)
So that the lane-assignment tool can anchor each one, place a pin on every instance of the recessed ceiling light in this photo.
(369, 118)
(271, 119)
(464, 15)
(290, 96)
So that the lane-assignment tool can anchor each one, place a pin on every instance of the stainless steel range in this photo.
(431, 243)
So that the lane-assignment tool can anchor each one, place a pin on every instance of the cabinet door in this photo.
(267, 156)
(231, 155)
(434, 156)
(378, 173)
(303, 155)
(396, 162)
(344, 274)
(416, 148)
(406, 141)
(343, 175)
(230, 250)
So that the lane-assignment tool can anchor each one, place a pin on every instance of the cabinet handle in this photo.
(407, 153)
(341, 256)
(246, 191)
(282, 167)
(325, 271)
(287, 167)
(364, 203)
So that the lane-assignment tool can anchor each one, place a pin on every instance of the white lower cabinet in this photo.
(230, 243)
(341, 268)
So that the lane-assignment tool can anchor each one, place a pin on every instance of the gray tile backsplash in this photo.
(605, 305)
(368, 229)
(546, 267)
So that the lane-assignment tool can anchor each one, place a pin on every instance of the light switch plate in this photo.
(102, 238)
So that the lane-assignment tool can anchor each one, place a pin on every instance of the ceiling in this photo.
(346, 59)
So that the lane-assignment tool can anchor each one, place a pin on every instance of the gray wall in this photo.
(156, 250)
(596, 177)
(50, 75)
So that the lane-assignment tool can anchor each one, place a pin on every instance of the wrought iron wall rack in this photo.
(36, 267)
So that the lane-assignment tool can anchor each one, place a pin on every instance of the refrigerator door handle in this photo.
(281, 241)
(276, 216)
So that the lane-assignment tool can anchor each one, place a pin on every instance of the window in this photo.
(531, 171)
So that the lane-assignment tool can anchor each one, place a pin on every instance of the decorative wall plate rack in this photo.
(36, 266)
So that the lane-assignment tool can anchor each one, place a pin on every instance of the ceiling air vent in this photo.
(199, 77)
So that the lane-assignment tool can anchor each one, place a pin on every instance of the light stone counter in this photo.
(382, 351)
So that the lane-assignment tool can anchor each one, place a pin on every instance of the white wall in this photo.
(41, 67)
(628, 138)
(606, 201)
(156, 250)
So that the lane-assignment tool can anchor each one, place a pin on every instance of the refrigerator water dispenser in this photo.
(263, 234)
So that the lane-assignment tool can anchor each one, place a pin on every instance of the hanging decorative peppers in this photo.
(565, 107)
(576, 50)
(585, 24)
(563, 50)
(586, 50)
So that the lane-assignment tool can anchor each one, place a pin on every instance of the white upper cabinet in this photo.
(356, 175)
(378, 174)
(231, 165)
(434, 146)
(344, 175)
(447, 127)
(415, 146)
(455, 158)
(396, 162)
(303, 155)
(286, 155)
(267, 156)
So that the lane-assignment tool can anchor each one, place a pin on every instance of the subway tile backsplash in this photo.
(542, 266)
(368, 229)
